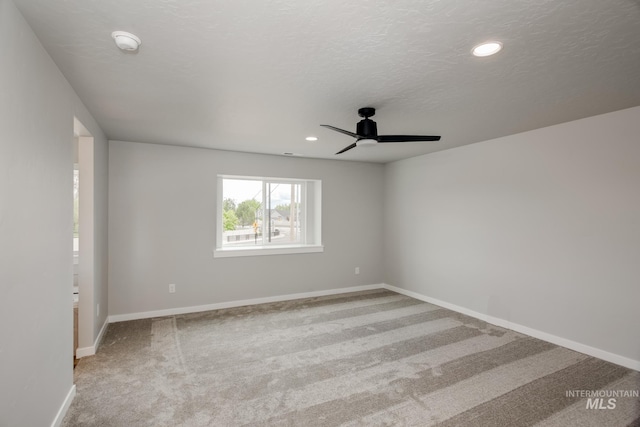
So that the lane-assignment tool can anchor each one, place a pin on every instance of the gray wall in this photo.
(541, 229)
(37, 107)
(162, 219)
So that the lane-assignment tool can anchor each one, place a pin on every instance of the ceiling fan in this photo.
(367, 132)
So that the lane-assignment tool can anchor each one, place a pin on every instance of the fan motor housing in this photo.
(367, 128)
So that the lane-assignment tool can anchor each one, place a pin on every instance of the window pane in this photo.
(284, 204)
(241, 212)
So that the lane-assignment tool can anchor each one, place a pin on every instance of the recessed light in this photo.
(311, 138)
(487, 49)
(126, 41)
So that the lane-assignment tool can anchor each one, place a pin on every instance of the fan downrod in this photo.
(367, 112)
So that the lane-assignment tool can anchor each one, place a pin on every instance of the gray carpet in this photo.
(371, 358)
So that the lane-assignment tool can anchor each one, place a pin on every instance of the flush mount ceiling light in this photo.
(487, 49)
(126, 41)
(311, 138)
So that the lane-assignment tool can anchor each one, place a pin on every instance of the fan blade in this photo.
(406, 138)
(346, 132)
(347, 148)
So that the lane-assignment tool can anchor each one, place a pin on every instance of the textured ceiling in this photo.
(260, 76)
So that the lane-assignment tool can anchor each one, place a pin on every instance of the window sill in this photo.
(266, 250)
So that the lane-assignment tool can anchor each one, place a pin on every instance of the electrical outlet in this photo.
(357, 270)
(172, 288)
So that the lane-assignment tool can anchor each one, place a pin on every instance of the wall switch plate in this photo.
(172, 288)
(357, 270)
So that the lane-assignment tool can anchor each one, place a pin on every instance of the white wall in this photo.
(37, 107)
(541, 229)
(162, 218)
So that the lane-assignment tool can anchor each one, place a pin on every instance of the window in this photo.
(76, 209)
(267, 216)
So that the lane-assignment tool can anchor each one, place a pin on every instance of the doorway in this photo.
(84, 263)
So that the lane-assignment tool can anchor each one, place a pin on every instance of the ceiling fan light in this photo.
(366, 141)
(487, 49)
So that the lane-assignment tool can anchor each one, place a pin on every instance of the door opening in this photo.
(84, 241)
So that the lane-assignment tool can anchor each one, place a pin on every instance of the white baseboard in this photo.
(85, 351)
(90, 351)
(240, 303)
(57, 421)
(563, 342)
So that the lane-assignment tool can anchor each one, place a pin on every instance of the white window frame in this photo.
(311, 220)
